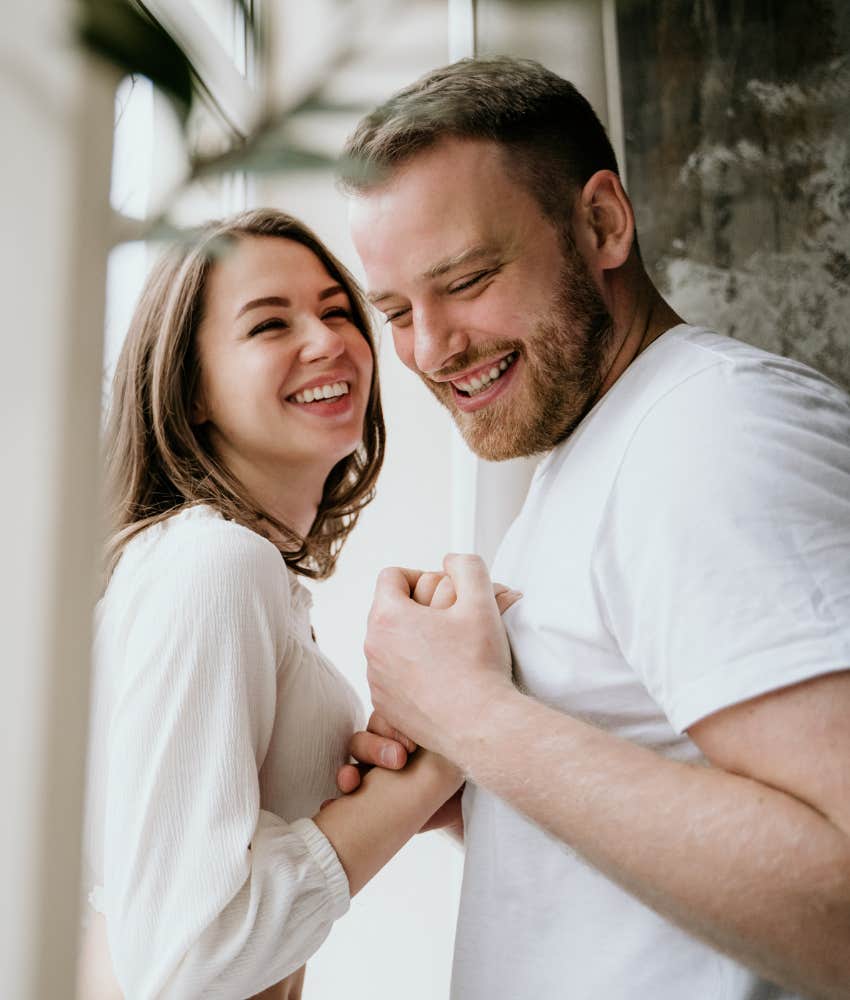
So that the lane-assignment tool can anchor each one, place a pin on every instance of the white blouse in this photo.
(217, 728)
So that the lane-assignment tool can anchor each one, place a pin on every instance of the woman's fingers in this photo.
(379, 746)
(368, 748)
(505, 597)
(348, 780)
(437, 590)
(445, 595)
(427, 583)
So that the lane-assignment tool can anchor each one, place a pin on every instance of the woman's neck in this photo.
(292, 498)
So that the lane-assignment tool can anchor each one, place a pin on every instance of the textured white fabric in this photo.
(687, 548)
(217, 728)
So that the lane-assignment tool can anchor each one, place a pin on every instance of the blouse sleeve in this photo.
(206, 894)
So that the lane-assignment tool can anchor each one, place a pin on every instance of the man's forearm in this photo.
(755, 872)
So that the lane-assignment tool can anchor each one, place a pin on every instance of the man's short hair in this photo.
(552, 139)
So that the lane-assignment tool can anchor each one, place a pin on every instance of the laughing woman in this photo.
(245, 436)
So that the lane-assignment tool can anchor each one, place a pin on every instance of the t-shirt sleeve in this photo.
(724, 555)
(206, 894)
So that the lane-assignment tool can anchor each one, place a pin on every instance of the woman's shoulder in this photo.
(199, 548)
(200, 525)
(198, 596)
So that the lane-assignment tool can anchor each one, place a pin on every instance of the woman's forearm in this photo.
(372, 824)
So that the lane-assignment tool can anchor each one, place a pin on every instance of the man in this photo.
(658, 799)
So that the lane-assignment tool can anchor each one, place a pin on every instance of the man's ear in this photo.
(605, 220)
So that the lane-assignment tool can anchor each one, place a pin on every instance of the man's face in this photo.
(489, 303)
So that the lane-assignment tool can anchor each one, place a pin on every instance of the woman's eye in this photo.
(268, 324)
(394, 317)
(338, 312)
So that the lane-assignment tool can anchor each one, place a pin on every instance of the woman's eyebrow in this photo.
(268, 300)
(281, 300)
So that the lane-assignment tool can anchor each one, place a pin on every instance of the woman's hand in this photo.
(380, 745)
(436, 590)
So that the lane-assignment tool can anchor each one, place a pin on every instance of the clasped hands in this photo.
(437, 653)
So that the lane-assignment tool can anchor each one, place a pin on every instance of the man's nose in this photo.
(321, 342)
(436, 339)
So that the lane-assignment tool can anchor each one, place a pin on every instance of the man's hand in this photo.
(381, 745)
(431, 668)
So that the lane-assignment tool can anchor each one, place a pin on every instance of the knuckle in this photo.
(372, 645)
(379, 618)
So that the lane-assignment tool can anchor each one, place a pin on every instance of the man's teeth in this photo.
(320, 392)
(478, 383)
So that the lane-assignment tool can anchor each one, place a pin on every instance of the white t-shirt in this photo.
(217, 729)
(687, 548)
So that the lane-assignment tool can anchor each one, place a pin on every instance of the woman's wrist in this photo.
(437, 770)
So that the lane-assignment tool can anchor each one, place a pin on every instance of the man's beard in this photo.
(565, 360)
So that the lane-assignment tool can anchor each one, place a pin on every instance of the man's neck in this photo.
(649, 317)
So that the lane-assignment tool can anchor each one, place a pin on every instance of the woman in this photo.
(245, 436)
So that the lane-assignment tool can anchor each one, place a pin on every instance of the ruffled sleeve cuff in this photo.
(326, 858)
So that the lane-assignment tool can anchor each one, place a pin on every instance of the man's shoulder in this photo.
(722, 414)
(695, 397)
(698, 350)
(693, 370)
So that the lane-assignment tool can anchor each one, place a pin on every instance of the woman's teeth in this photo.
(478, 383)
(320, 392)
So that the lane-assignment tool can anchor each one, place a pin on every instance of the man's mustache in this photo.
(470, 359)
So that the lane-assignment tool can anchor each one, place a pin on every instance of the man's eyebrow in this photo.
(472, 254)
(281, 300)
(467, 256)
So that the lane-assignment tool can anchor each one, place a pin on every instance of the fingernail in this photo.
(388, 756)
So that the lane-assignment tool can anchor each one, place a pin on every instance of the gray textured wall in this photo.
(737, 116)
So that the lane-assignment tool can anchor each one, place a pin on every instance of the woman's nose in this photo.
(321, 341)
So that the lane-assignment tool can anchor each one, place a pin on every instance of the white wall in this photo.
(54, 181)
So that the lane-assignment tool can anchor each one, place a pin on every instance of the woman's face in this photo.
(285, 373)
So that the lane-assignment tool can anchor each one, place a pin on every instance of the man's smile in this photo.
(478, 388)
(475, 381)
